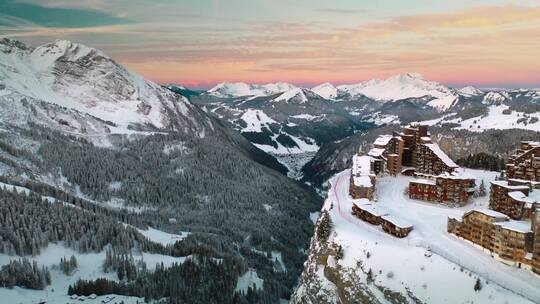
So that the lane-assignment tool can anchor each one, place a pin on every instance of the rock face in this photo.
(83, 79)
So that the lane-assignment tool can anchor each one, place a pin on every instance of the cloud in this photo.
(341, 11)
(56, 17)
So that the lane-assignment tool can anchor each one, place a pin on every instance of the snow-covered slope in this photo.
(410, 85)
(326, 90)
(238, 89)
(84, 79)
(296, 95)
(494, 97)
(360, 263)
(470, 91)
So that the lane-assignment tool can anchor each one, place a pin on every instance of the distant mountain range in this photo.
(293, 120)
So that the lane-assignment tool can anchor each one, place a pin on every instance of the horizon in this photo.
(198, 44)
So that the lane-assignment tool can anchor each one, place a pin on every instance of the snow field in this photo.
(433, 265)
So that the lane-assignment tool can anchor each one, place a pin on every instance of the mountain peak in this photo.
(7, 45)
(470, 91)
(294, 94)
(84, 79)
(407, 76)
(326, 90)
(65, 49)
(238, 89)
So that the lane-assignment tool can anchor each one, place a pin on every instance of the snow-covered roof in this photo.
(455, 217)
(531, 143)
(361, 201)
(397, 221)
(361, 171)
(423, 181)
(491, 213)
(362, 181)
(383, 140)
(361, 165)
(441, 155)
(376, 152)
(518, 226)
(534, 195)
(426, 138)
(374, 210)
(524, 181)
(505, 185)
(456, 175)
(520, 196)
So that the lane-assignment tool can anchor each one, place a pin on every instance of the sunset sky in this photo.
(199, 43)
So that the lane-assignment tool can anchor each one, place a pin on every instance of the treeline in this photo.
(483, 161)
(22, 273)
(207, 186)
(198, 280)
(28, 223)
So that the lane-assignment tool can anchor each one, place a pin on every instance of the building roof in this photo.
(532, 143)
(517, 226)
(505, 185)
(422, 181)
(441, 155)
(361, 201)
(524, 181)
(361, 165)
(397, 221)
(376, 152)
(520, 196)
(383, 140)
(362, 181)
(490, 213)
(374, 210)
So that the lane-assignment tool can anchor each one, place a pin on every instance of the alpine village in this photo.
(509, 230)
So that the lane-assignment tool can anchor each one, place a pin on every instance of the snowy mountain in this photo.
(104, 160)
(470, 91)
(327, 113)
(326, 90)
(86, 80)
(240, 89)
(495, 97)
(404, 86)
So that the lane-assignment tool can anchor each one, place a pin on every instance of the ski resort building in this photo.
(515, 199)
(508, 240)
(387, 153)
(431, 159)
(369, 213)
(453, 190)
(396, 226)
(375, 215)
(362, 182)
(525, 162)
(411, 149)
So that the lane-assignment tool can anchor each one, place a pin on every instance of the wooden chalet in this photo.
(369, 213)
(396, 226)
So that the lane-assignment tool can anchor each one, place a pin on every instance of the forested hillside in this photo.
(108, 170)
